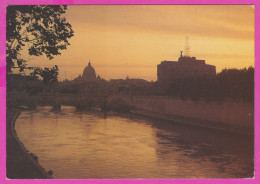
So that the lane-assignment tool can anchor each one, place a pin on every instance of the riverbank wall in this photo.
(20, 163)
(221, 115)
(237, 116)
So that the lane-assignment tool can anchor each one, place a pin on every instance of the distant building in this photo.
(88, 83)
(127, 82)
(185, 67)
(89, 73)
(128, 86)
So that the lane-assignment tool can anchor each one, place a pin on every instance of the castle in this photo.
(185, 67)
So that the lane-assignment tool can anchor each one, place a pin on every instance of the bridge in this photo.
(56, 100)
(211, 114)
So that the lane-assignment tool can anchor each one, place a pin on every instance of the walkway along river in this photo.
(93, 145)
(20, 164)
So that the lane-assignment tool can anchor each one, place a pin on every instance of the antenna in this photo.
(187, 47)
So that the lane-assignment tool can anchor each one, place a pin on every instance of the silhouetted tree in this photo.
(48, 75)
(236, 84)
(42, 29)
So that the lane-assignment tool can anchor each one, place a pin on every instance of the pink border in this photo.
(4, 3)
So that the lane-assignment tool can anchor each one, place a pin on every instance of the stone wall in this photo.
(227, 113)
(233, 113)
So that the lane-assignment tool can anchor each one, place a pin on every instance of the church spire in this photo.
(89, 64)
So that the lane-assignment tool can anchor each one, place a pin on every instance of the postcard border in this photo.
(5, 3)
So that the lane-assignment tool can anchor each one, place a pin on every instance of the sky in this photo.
(131, 40)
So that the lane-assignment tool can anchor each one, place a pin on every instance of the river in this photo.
(82, 145)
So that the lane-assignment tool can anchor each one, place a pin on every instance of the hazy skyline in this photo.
(132, 40)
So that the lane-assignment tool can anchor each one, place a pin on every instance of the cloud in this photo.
(227, 21)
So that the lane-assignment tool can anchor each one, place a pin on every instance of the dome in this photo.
(89, 73)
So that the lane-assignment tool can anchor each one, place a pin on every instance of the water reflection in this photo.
(90, 145)
(207, 147)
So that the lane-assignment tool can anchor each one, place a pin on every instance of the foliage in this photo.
(19, 83)
(48, 75)
(236, 84)
(42, 29)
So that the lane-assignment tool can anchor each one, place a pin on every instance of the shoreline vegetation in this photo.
(20, 163)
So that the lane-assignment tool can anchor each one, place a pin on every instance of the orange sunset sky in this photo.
(122, 40)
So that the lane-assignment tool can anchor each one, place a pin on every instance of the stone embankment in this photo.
(20, 163)
(226, 115)
(195, 122)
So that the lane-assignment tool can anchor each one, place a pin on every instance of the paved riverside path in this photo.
(19, 165)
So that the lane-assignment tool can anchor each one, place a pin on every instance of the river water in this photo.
(81, 145)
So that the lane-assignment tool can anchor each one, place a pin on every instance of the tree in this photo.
(49, 75)
(42, 30)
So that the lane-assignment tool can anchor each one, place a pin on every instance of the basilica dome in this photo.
(89, 73)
